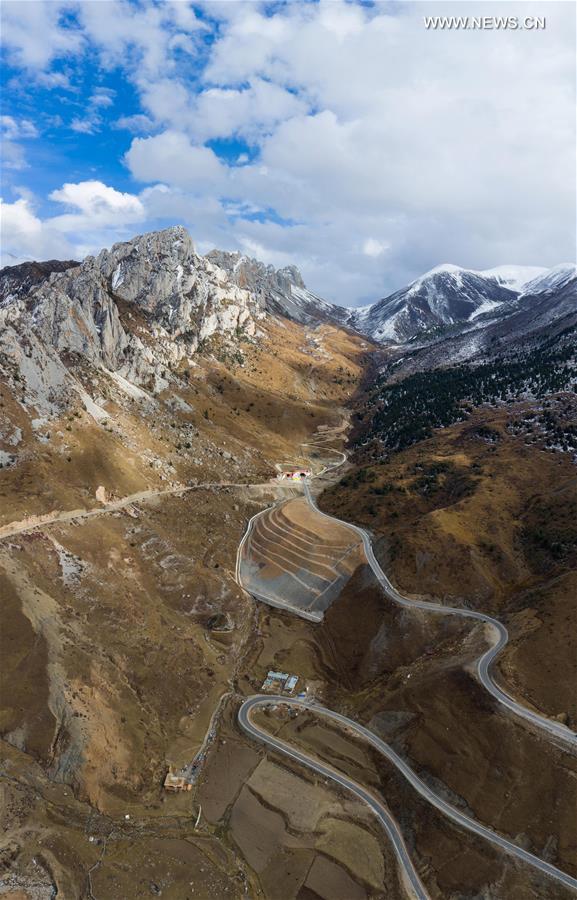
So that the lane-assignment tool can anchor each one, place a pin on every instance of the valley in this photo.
(155, 569)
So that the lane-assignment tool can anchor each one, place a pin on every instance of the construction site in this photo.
(294, 558)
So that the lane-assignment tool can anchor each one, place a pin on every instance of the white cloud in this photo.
(103, 97)
(372, 247)
(53, 80)
(250, 112)
(137, 123)
(92, 122)
(13, 157)
(172, 158)
(95, 203)
(34, 34)
(90, 125)
(12, 129)
(17, 128)
(144, 36)
(97, 216)
(25, 236)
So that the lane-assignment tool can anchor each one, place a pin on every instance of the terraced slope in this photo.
(296, 559)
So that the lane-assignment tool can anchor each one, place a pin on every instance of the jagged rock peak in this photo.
(255, 275)
(157, 250)
(281, 291)
(179, 300)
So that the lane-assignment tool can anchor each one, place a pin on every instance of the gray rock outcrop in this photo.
(281, 291)
(137, 309)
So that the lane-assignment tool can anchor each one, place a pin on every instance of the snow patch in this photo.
(117, 277)
(485, 307)
(513, 277)
(551, 279)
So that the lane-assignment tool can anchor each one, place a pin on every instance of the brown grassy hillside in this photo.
(123, 625)
(474, 516)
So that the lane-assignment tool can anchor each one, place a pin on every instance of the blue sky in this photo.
(343, 137)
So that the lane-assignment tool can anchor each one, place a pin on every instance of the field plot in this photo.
(298, 560)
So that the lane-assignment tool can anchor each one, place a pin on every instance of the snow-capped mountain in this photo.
(448, 297)
(444, 296)
(550, 280)
(534, 320)
(514, 277)
(282, 291)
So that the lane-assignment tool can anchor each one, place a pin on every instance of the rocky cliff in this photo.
(138, 310)
(281, 291)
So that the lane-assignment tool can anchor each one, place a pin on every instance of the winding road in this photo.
(409, 872)
(556, 730)
(377, 805)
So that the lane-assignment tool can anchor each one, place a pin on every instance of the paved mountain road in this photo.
(376, 805)
(556, 730)
(410, 875)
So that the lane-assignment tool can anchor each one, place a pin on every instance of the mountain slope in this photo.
(443, 296)
(550, 279)
(448, 298)
(147, 344)
(144, 402)
(282, 291)
(528, 355)
(139, 310)
(528, 321)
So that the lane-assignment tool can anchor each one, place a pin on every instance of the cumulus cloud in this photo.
(26, 236)
(145, 36)
(34, 33)
(96, 216)
(371, 148)
(251, 112)
(95, 204)
(171, 157)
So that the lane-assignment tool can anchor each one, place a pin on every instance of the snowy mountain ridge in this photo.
(450, 296)
(142, 309)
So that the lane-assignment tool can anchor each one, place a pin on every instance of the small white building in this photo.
(280, 681)
(290, 684)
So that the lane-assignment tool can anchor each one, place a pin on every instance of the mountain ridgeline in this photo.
(520, 348)
(141, 312)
